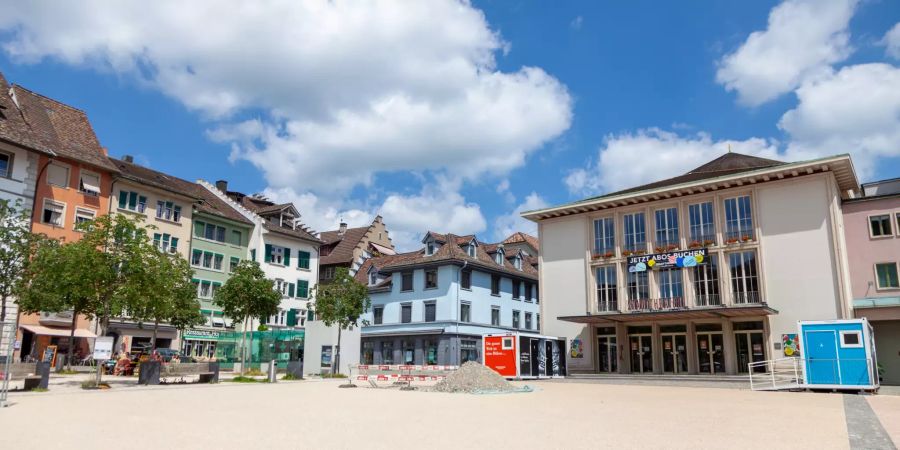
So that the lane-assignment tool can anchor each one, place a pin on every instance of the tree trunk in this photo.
(243, 344)
(3, 309)
(337, 357)
(155, 330)
(72, 340)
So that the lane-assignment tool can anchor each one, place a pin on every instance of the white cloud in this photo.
(631, 159)
(891, 41)
(347, 89)
(855, 110)
(802, 40)
(508, 224)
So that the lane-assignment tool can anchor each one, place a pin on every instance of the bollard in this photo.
(149, 374)
(273, 372)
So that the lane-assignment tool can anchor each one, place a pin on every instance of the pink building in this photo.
(872, 233)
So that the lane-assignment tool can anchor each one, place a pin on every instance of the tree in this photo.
(17, 246)
(247, 294)
(174, 299)
(340, 303)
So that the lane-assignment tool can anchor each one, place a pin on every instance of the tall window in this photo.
(516, 290)
(468, 350)
(670, 286)
(515, 319)
(406, 281)
(744, 278)
(406, 313)
(303, 259)
(470, 250)
(58, 175)
(378, 315)
(637, 284)
(368, 352)
(53, 213)
(495, 316)
(666, 229)
(528, 292)
(387, 352)
(495, 285)
(635, 232)
(604, 236)
(373, 276)
(6, 165)
(465, 312)
(703, 226)
(528, 323)
(738, 219)
(466, 279)
(886, 276)
(880, 225)
(706, 283)
(431, 279)
(430, 312)
(606, 288)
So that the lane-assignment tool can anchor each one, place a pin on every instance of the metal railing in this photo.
(607, 305)
(656, 304)
(701, 240)
(746, 297)
(788, 373)
(781, 373)
(733, 236)
(709, 300)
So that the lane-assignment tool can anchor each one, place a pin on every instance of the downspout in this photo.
(459, 307)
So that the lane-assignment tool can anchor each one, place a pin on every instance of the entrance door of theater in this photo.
(750, 348)
(710, 352)
(608, 356)
(641, 353)
(674, 350)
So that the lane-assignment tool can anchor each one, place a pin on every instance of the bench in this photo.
(206, 372)
(31, 374)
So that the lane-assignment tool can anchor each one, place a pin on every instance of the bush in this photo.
(333, 375)
(240, 379)
(290, 377)
(66, 372)
(251, 372)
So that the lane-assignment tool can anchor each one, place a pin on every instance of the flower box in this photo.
(731, 241)
(708, 242)
(695, 244)
(747, 238)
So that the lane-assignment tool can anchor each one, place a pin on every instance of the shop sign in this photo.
(200, 334)
(685, 258)
(103, 348)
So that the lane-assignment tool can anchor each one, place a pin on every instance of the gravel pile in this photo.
(472, 377)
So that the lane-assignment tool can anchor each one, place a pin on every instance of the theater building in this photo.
(702, 273)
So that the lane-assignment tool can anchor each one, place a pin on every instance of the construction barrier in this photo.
(401, 373)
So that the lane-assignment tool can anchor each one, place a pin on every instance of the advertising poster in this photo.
(790, 344)
(577, 348)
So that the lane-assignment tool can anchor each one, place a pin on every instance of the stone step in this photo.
(660, 377)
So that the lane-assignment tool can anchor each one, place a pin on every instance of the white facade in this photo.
(18, 175)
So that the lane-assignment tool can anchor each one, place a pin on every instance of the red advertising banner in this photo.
(500, 354)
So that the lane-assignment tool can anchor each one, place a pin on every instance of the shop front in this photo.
(38, 341)
(135, 337)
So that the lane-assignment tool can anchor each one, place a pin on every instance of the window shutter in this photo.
(302, 288)
(198, 228)
(123, 199)
(252, 254)
(292, 317)
(174, 243)
(287, 257)
(290, 290)
(132, 200)
(303, 258)
(268, 255)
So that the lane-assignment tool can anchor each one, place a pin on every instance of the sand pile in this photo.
(473, 377)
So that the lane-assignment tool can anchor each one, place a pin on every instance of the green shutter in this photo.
(303, 258)
(287, 257)
(174, 243)
(252, 254)
(123, 199)
(290, 289)
(132, 200)
(310, 315)
(268, 256)
(302, 288)
(292, 317)
(198, 228)
(196, 253)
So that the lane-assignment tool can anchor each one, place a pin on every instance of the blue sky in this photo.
(454, 116)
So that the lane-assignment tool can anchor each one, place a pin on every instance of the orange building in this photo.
(72, 185)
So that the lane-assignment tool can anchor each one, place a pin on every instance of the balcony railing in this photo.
(746, 298)
(656, 304)
(701, 240)
(709, 300)
(607, 306)
(735, 236)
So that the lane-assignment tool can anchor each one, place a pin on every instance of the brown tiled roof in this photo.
(53, 127)
(207, 202)
(147, 176)
(343, 244)
(13, 127)
(448, 253)
(727, 164)
(264, 207)
(522, 237)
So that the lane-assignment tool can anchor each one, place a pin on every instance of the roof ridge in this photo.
(38, 94)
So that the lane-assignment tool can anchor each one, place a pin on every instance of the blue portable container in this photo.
(838, 354)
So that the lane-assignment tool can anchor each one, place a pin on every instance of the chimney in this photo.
(128, 159)
(222, 185)
(343, 228)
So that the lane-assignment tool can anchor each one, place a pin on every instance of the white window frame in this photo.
(65, 167)
(859, 341)
(666, 227)
(639, 245)
(506, 343)
(84, 212)
(430, 248)
(878, 287)
(11, 159)
(470, 250)
(601, 237)
(704, 228)
(740, 230)
(62, 215)
(890, 224)
(84, 172)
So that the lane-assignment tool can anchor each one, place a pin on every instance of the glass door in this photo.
(608, 355)
(710, 353)
(674, 353)
(641, 354)
(749, 348)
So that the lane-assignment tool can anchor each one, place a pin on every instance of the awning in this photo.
(676, 314)
(382, 249)
(90, 183)
(61, 332)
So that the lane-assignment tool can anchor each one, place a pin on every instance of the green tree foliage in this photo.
(174, 296)
(246, 295)
(340, 303)
(17, 245)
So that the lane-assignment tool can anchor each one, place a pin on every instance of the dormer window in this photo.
(498, 257)
(429, 248)
(517, 262)
(470, 249)
(373, 276)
